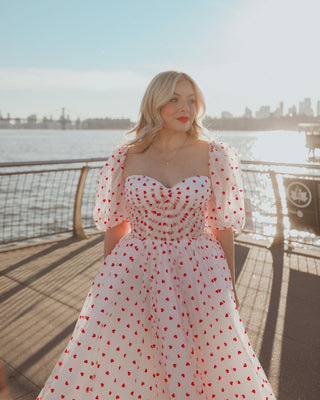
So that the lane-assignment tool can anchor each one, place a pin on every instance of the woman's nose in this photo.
(185, 105)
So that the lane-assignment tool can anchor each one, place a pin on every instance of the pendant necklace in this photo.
(168, 160)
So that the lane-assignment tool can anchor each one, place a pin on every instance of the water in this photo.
(34, 145)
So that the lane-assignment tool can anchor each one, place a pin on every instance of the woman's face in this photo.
(180, 111)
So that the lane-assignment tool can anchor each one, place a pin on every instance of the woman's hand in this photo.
(113, 235)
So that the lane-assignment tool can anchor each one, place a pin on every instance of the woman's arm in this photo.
(225, 238)
(113, 235)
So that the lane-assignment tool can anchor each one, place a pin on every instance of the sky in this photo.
(96, 58)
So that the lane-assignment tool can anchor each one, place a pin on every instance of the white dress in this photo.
(160, 320)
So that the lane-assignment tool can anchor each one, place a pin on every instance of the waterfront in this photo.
(33, 145)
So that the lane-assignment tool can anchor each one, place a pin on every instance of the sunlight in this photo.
(277, 149)
(273, 30)
(266, 54)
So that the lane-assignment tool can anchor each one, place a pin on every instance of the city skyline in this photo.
(264, 111)
(97, 59)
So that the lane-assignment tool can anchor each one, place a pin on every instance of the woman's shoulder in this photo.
(211, 143)
(200, 143)
(117, 156)
(221, 148)
(119, 150)
(135, 148)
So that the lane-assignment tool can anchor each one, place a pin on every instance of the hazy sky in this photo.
(96, 58)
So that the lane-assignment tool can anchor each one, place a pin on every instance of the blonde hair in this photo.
(158, 93)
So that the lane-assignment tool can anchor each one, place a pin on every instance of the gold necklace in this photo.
(166, 162)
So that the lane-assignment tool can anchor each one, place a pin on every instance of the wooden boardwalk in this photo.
(43, 286)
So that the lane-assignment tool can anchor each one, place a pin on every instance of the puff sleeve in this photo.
(110, 205)
(225, 209)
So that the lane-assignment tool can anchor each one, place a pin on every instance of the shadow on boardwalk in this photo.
(44, 285)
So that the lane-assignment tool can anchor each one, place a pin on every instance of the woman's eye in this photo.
(176, 100)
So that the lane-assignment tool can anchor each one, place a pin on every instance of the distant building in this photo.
(65, 121)
(247, 113)
(48, 123)
(281, 108)
(292, 111)
(17, 123)
(32, 118)
(263, 112)
(305, 107)
(279, 111)
(78, 123)
(31, 121)
(318, 108)
(226, 115)
(4, 122)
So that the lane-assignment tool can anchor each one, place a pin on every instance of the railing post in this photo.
(77, 225)
(278, 240)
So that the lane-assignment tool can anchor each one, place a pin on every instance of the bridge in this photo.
(64, 122)
(30, 122)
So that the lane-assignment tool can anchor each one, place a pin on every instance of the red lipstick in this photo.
(183, 119)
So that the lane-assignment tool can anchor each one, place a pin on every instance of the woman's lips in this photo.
(183, 119)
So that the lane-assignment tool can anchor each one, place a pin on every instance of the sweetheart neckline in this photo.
(166, 187)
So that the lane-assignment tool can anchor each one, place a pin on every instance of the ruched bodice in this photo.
(155, 210)
(161, 213)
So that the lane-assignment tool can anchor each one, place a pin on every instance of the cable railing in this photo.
(50, 198)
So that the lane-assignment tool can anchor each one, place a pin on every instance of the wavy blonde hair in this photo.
(158, 93)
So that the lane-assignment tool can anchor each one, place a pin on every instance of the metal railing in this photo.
(267, 213)
(42, 199)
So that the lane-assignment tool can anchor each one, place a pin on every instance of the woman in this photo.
(161, 319)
